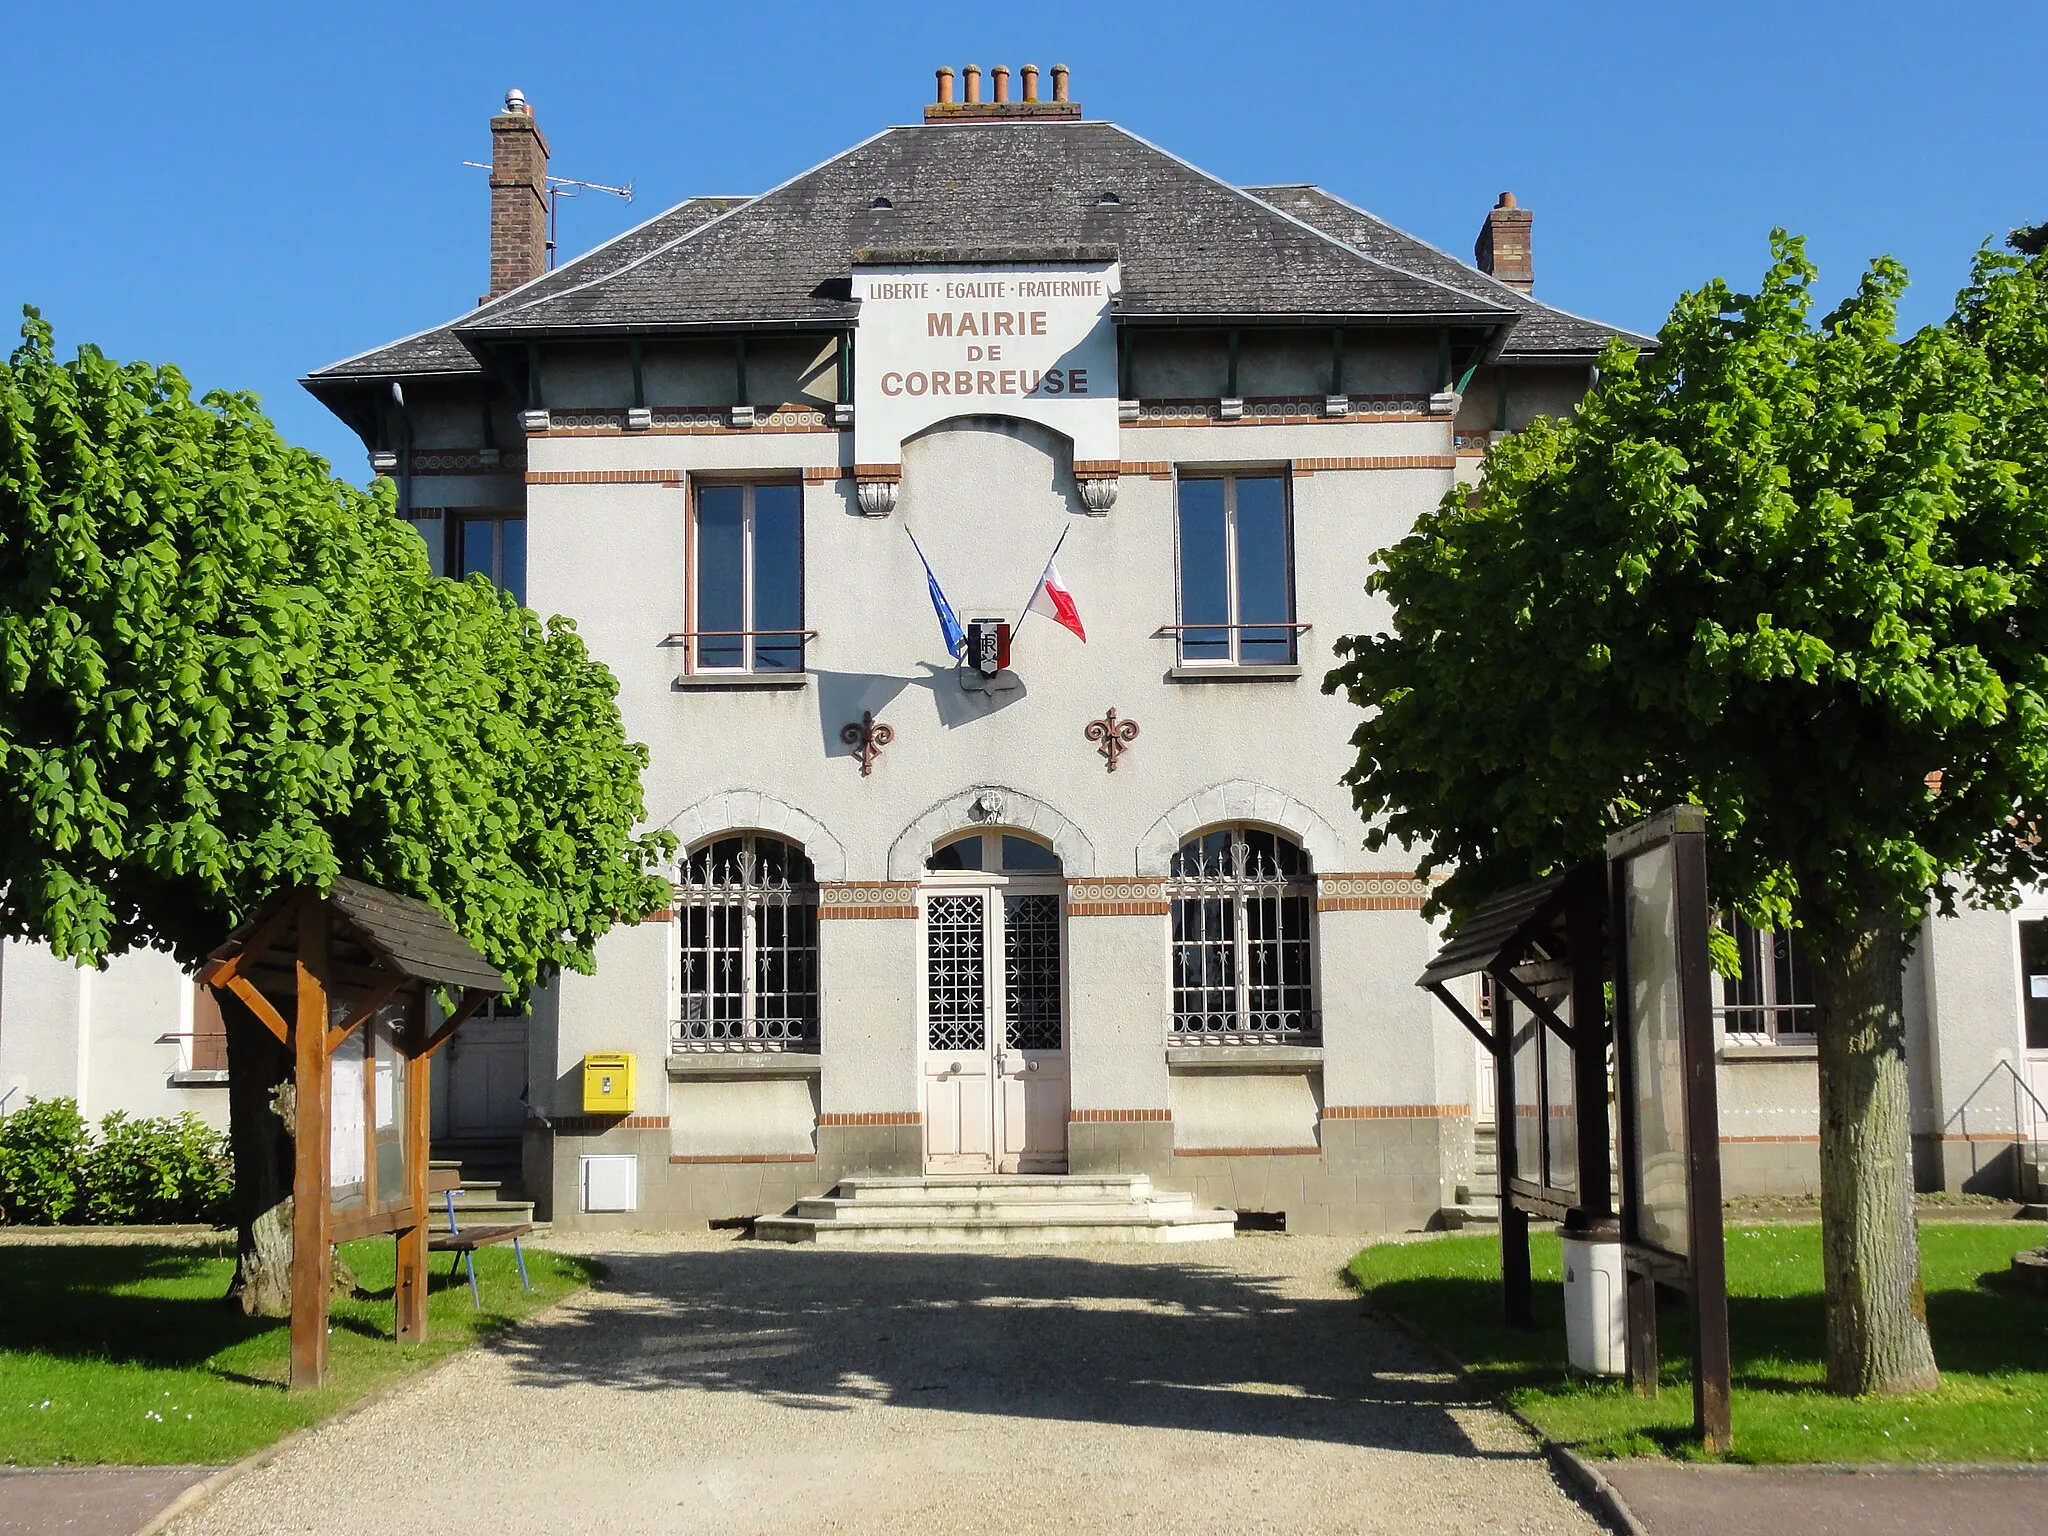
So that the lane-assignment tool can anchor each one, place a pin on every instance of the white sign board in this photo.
(1035, 342)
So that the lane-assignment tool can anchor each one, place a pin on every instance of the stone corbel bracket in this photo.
(1097, 480)
(876, 488)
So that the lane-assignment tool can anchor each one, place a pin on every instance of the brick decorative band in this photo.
(885, 1117)
(1393, 461)
(2005, 1136)
(665, 915)
(1396, 1111)
(464, 461)
(1281, 410)
(1109, 897)
(823, 474)
(690, 421)
(1157, 469)
(1115, 1116)
(597, 1125)
(1755, 1141)
(866, 472)
(672, 477)
(749, 1157)
(1373, 891)
(1247, 1151)
(1119, 909)
(863, 899)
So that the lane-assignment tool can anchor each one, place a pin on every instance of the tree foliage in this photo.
(223, 672)
(1785, 570)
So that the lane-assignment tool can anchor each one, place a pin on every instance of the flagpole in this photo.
(1017, 628)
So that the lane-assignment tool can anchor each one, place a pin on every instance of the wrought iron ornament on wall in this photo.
(867, 739)
(1113, 735)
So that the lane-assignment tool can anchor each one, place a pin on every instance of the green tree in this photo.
(224, 672)
(1792, 573)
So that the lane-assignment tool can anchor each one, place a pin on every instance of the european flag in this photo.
(949, 622)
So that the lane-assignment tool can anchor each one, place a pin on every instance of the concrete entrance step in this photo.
(994, 1208)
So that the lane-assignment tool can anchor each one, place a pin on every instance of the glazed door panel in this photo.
(1031, 1075)
(2034, 1028)
(958, 1061)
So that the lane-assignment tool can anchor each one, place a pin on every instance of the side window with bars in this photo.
(747, 921)
(1771, 1001)
(1243, 900)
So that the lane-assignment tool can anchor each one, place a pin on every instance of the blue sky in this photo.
(254, 191)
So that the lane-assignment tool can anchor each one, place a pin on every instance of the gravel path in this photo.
(713, 1385)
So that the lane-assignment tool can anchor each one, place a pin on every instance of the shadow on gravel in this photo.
(1170, 1342)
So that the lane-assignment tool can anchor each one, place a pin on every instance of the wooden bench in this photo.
(464, 1244)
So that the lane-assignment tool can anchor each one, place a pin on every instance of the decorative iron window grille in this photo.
(1031, 972)
(1771, 1002)
(956, 981)
(747, 917)
(1242, 948)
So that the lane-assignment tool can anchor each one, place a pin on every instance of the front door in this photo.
(995, 1031)
(2034, 1029)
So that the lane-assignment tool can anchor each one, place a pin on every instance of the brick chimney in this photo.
(519, 197)
(1502, 248)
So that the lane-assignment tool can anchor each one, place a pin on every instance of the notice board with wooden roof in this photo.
(346, 980)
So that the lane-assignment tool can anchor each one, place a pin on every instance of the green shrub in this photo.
(42, 1152)
(155, 1171)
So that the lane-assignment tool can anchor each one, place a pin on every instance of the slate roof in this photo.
(422, 942)
(440, 351)
(1191, 246)
(1541, 332)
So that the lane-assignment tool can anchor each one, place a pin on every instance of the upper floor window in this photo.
(1236, 572)
(1242, 900)
(747, 915)
(749, 592)
(495, 547)
(1771, 1001)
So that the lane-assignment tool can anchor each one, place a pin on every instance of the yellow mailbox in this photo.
(608, 1083)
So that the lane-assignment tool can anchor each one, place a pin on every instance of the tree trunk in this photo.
(1876, 1310)
(260, 1135)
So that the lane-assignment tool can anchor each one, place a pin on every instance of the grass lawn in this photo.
(127, 1354)
(1991, 1342)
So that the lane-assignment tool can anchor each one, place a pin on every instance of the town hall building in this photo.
(1076, 889)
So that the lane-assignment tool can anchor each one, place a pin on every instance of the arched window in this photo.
(747, 916)
(1242, 901)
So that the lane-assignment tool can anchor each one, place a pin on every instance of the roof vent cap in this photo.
(515, 101)
(880, 203)
(1108, 200)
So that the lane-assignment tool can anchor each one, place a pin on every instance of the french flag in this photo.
(1053, 598)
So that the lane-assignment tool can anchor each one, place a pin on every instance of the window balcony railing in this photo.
(743, 650)
(1259, 1026)
(1271, 643)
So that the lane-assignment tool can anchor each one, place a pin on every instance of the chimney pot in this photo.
(1030, 73)
(1001, 75)
(973, 73)
(1507, 200)
(1059, 82)
(945, 85)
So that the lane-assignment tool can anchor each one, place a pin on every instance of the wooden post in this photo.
(313, 1118)
(1712, 1419)
(412, 1240)
(1585, 931)
(1517, 1287)
(1641, 1297)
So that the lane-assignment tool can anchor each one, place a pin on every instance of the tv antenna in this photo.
(559, 187)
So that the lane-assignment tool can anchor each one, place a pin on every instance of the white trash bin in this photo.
(1595, 1304)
